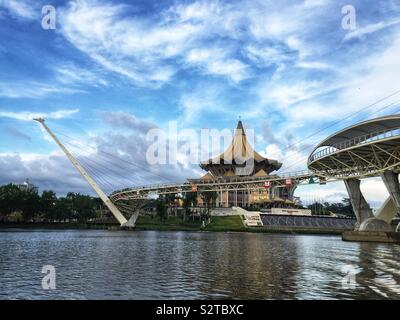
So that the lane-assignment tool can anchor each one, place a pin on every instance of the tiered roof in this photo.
(236, 156)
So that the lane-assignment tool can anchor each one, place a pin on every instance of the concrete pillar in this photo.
(387, 211)
(391, 181)
(358, 202)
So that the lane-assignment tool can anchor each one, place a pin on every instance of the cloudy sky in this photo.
(112, 70)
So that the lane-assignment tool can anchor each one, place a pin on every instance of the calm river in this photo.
(195, 265)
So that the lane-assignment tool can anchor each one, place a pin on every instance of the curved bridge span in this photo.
(367, 149)
(362, 156)
(245, 183)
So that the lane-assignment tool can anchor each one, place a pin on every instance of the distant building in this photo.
(27, 186)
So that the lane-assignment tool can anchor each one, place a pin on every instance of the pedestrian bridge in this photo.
(221, 184)
(367, 149)
(363, 150)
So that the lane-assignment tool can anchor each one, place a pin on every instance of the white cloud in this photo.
(203, 99)
(371, 28)
(314, 65)
(311, 4)
(373, 190)
(43, 170)
(344, 89)
(216, 61)
(71, 74)
(268, 55)
(206, 36)
(131, 47)
(20, 8)
(293, 158)
(232, 68)
(284, 95)
(28, 116)
(32, 89)
(371, 79)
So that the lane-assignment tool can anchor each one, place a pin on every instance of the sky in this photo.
(112, 70)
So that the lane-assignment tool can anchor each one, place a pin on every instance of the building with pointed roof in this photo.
(241, 162)
(240, 159)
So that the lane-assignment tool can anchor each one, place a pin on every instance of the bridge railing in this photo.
(357, 141)
(198, 182)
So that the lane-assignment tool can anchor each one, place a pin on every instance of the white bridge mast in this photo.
(111, 206)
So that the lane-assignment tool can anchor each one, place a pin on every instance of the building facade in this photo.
(27, 186)
(241, 162)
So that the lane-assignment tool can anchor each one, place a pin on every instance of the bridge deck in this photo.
(363, 156)
(235, 183)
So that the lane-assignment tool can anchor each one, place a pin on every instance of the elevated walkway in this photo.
(367, 149)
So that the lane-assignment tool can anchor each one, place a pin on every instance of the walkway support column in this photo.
(358, 202)
(391, 181)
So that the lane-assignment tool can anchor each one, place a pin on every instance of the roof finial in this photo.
(239, 125)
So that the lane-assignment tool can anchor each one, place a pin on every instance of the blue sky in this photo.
(111, 69)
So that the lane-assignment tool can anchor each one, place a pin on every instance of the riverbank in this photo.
(218, 224)
(56, 226)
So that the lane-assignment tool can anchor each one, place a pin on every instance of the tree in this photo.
(209, 198)
(10, 200)
(83, 207)
(63, 209)
(48, 203)
(343, 208)
(340, 208)
(318, 209)
(190, 199)
(30, 204)
(170, 198)
(161, 207)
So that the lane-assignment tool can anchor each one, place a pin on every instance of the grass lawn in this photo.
(230, 223)
(172, 223)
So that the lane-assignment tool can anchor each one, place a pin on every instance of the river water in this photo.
(94, 264)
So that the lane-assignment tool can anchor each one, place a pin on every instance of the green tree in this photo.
(83, 206)
(343, 208)
(170, 198)
(10, 200)
(48, 203)
(209, 198)
(62, 209)
(190, 199)
(318, 209)
(30, 204)
(161, 207)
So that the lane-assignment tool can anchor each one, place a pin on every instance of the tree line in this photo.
(343, 208)
(27, 205)
(189, 200)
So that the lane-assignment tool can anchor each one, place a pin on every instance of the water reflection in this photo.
(179, 265)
